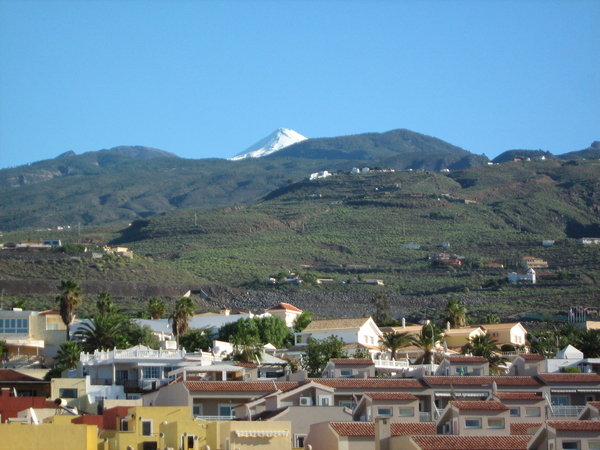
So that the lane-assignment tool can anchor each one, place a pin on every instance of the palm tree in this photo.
(156, 308)
(588, 342)
(486, 346)
(491, 318)
(68, 299)
(455, 313)
(105, 304)
(184, 309)
(67, 356)
(430, 334)
(394, 341)
(103, 332)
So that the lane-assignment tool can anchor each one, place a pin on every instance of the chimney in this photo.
(404, 322)
(383, 432)
(224, 311)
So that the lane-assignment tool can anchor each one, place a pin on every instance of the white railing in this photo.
(400, 364)
(566, 411)
(213, 418)
(112, 355)
(425, 417)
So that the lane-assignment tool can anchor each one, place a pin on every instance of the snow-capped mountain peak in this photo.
(277, 140)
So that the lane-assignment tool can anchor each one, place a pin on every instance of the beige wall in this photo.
(48, 437)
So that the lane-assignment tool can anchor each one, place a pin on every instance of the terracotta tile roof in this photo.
(12, 376)
(532, 357)
(368, 428)
(422, 428)
(481, 381)
(569, 377)
(359, 345)
(574, 425)
(392, 396)
(529, 396)
(521, 428)
(352, 361)
(479, 405)
(285, 306)
(246, 365)
(452, 442)
(410, 329)
(370, 383)
(594, 405)
(336, 324)
(466, 359)
(239, 386)
(353, 428)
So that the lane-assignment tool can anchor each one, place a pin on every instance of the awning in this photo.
(38, 343)
(261, 433)
(563, 391)
(588, 391)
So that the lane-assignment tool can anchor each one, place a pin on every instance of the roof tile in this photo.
(569, 377)
(239, 386)
(479, 405)
(392, 396)
(574, 425)
(368, 428)
(525, 396)
(453, 442)
(336, 324)
(521, 428)
(370, 383)
(481, 381)
(466, 359)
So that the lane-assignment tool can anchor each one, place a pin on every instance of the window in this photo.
(122, 375)
(495, 423)
(559, 400)
(13, 326)
(406, 412)
(299, 440)
(570, 445)
(197, 410)
(462, 370)
(67, 393)
(515, 412)
(52, 326)
(472, 423)
(133, 396)
(532, 412)
(384, 412)
(146, 428)
(594, 445)
(124, 425)
(348, 404)
(345, 373)
(325, 400)
(226, 410)
(152, 372)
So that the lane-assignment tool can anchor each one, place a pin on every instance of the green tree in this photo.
(103, 332)
(273, 330)
(426, 340)
(319, 352)
(197, 339)
(382, 316)
(136, 334)
(588, 342)
(184, 309)
(67, 356)
(491, 318)
(247, 346)
(156, 308)
(361, 353)
(394, 341)
(105, 304)
(486, 346)
(455, 313)
(21, 303)
(69, 298)
(302, 321)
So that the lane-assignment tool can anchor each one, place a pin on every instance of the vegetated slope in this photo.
(357, 225)
(592, 152)
(121, 185)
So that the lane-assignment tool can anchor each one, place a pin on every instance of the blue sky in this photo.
(210, 78)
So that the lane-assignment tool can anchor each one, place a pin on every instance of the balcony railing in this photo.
(400, 364)
(112, 355)
(213, 418)
(425, 417)
(566, 411)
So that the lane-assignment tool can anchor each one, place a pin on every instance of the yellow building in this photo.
(50, 436)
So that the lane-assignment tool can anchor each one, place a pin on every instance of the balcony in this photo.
(132, 354)
(213, 418)
(565, 411)
(425, 417)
